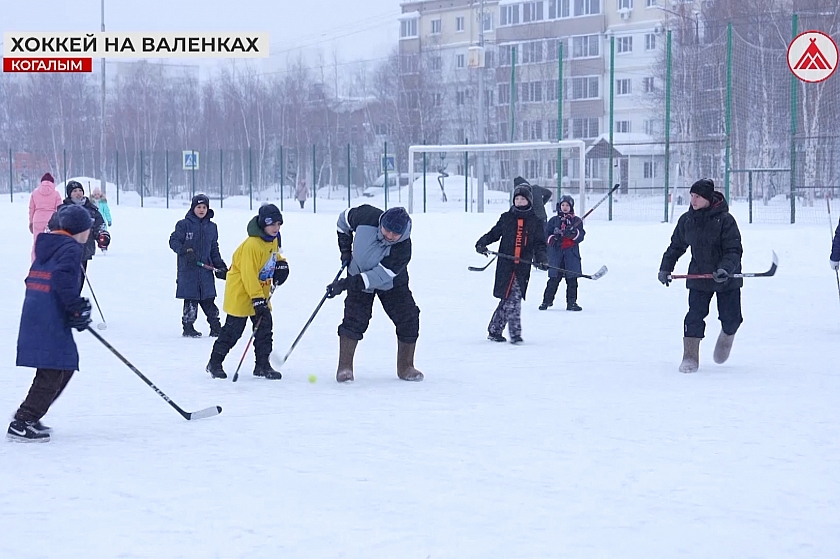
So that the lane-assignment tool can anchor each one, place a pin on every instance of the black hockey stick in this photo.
(102, 325)
(251, 339)
(201, 414)
(771, 272)
(482, 268)
(308, 322)
(831, 228)
(597, 275)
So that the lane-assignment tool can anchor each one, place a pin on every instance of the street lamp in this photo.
(102, 146)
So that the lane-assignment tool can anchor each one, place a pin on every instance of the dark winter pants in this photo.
(232, 331)
(211, 311)
(508, 312)
(302, 202)
(554, 283)
(47, 386)
(399, 305)
(729, 311)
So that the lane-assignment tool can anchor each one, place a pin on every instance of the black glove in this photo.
(78, 314)
(720, 275)
(191, 257)
(345, 245)
(350, 282)
(221, 273)
(552, 240)
(558, 231)
(570, 232)
(260, 307)
(481, 249)
(281, 273)
(541, 265)
(346, 257)
(664, 277)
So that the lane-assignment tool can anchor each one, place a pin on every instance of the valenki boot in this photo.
(691, 355)
(346, 351)
(405, 362)
(723, 347)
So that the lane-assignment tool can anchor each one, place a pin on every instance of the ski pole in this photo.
(102, 325)
(201, 414)
(251, 339)
(308, 322)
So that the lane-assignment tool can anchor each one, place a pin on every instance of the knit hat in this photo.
(569, 200)
(200, 199)
(47, 178)
(73, 219)
(523, 190)
(519, 181)
(73, 185)
(269, 215)
(395, 220)
(704, 188)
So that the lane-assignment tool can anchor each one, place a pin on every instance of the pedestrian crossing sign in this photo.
(190, 160)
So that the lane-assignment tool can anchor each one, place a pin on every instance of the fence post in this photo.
(728, 109)
(612, 126)
(466, 178)
(166, 163)
(348, 175)
(559, 115)
(221, 179)
(384, 164)
(117, 174)
(667, 125)
(282, 179)
(424, 182)
(750, 192)
(12, 178)
(314, 184)
(192, 174)
(250, 181)
(793, 116)
(142, 178)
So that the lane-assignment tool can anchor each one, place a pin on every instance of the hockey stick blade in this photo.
(482, 268)
(209, 412)
(599, 274)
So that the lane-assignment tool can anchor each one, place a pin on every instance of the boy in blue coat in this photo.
(564, 232)
(196, 241)
(51, 307)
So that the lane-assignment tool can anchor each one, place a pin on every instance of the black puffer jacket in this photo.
(528, 229)
(715, 242)
(96, 228)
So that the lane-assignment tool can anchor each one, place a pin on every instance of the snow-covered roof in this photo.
(632, 144)
(409, 15)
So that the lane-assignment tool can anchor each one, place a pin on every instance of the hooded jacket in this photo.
(251, 271)
(98, 223)
(43, 203)
(201, 235)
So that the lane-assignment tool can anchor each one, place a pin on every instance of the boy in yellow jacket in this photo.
(257, 264)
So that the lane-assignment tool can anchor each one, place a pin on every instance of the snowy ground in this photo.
(583, 442)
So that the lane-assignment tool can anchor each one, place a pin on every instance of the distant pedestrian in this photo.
(42, 205)
(301, 193)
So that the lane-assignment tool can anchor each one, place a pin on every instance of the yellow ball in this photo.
(312, 378)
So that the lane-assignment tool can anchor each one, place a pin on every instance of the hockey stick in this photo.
(206, 266)
(308, 322)
(201, 414)
(251, 339)
(767, 274)
(831, 229)
(482, 268)
(592, 209)
(597, 275)
(102, 325)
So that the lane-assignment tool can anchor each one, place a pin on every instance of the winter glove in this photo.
(78, 314)
(345, 245)
(281, 273)
(570, 232)
(481, 249)
(834, 265)
(664, 277)
(221, 272)
(542, 265)
(346, 257)
(558, 231)
(260, 307)
(552, 240)
(720, 275)
(191, 257)
(109, 224)
(350, 282)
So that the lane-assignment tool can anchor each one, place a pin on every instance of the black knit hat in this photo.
(395, 220)
(73, 219)
(704, 188)
(200, 199)
(519, 181)
(269, 215)
(73, 185)
(525, 191)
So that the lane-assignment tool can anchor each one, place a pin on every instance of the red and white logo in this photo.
(812, 56)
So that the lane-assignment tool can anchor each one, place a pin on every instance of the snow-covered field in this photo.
(584, 442)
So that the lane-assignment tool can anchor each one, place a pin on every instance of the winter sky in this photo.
(356, 30)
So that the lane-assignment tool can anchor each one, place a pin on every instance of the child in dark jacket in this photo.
(51, 307)
(196, 242)
(522, 245)
(564, 232)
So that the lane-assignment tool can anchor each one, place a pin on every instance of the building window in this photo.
(435, 27)
(437, 99)
(510, 14)
(585, 46)
(622, 126)
(552, 49)
(460, 97)
(504, 94)
(650, 127)
(532, 52)
(531, 92)
(460, 61)
(649, 85)
(531, 168)
(625, 4)
(623, 44)
(584, 127)
(583, 88)
(504, 55)
(532, 11)
(650, 3)
(650, 41)
(650, 170)
(622, 86)
(587, 7)
(435, 63)
(558, 9)
(488, 22)
(552, 129)
(459, 23)
(409, 63)
(550, 88)
(408, 28)
(531, 130)
(489, 59)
